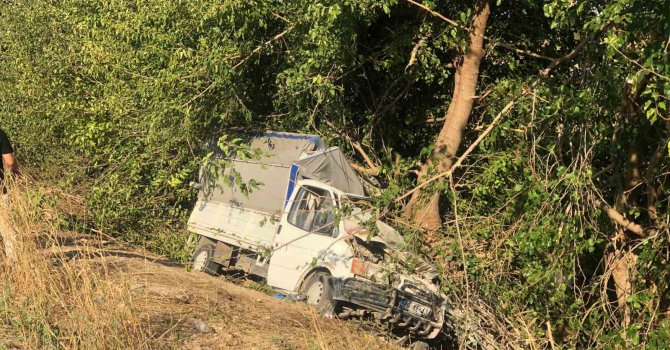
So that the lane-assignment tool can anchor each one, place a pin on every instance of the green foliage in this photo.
(118, 101)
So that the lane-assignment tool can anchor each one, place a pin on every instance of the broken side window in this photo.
(312, 211)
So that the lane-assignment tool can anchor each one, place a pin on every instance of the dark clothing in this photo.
(5, 148)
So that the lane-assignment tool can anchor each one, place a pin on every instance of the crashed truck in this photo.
(306, 230)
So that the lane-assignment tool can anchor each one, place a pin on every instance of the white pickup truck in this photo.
(305, 232)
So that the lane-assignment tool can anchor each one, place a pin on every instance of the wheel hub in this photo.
(314, 293)
(200, 261)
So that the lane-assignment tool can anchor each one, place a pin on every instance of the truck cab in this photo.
(309, 237)
(316, 238)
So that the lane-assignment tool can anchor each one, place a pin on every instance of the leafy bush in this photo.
(117, 101)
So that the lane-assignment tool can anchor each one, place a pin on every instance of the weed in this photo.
(55, 297)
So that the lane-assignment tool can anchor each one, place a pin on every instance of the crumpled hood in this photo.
(384, 249)
(386, 234)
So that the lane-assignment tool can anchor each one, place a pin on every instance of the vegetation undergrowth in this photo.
(53, 295)
(552, 231)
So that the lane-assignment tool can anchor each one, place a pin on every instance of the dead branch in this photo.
(415, 50)
(260, 47)
(620, 219)
(373, 169)
(580, 46)
(460, 244)
(550, 335)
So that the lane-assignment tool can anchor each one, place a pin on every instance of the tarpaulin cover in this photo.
(273, 172)
(267, 198)
(331, 167)
(285, 148)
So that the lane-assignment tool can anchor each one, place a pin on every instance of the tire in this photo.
(420, 345)
(319, 292)
(203, 257)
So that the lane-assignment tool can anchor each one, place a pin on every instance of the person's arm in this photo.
(10, 163)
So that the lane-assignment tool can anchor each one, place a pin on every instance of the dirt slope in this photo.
(197, 311)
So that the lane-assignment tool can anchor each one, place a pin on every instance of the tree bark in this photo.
(623, 261)
(424, 209)
(622, 264)
(650, 179)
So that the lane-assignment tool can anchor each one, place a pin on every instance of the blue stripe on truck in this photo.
(293, 177)
(311, 138)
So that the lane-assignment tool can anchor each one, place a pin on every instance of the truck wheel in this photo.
(420, 345)
(203, 257)
(319, 292)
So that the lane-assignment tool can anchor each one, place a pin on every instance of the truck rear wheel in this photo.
(319, 292)
(203, 257)
(420, 345)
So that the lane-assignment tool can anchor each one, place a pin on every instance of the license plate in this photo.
(415, 308)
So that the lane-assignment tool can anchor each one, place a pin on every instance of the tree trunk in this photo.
(424, 209)
(622, 262)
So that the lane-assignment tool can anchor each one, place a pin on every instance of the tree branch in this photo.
(254, 51)
(374, 168)
(260, 47)
(438, 15)
(520, 51)
(415, 50)
(363, 170)
(365, 156)
(472, 147)
(572, 53)
(200, 94)
(495, 42)
(620, 219)
(639, 65)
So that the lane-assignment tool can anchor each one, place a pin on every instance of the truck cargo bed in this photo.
(242, 227)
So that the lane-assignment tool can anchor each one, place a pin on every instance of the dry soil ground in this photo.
(198, 311)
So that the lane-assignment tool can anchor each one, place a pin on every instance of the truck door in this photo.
(304, 237)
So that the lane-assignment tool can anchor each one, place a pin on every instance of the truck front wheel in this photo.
(420, 345)
(319, 292)
(203, 257)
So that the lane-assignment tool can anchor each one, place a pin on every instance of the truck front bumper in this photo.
(420, 312)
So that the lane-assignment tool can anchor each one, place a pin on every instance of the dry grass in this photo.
(71, 291)
(51, 301)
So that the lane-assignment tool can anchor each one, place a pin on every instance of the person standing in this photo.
(9, 234)
(7, 152)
